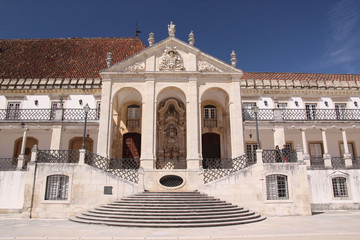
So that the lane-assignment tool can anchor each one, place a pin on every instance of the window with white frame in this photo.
(13, 110)
(282, 105)
(340, 110)
(277, 187)
(310, 110)
(57, 187)
(339, 187)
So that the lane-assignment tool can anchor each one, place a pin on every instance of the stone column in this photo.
(279, 136)
(55, 143)
(105, 113)
(21, 157)
(305, 148)
(236, 123)
(347, 155)
(147, 125)
(326, 156)
(193, 141)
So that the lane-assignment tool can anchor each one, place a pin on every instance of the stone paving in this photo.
(329, 225)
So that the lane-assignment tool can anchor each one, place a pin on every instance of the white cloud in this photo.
(342, 46)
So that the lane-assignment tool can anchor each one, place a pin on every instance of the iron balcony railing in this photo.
(57, 156)
(338, 162)
(47, 115)
(302, 115)
(133, 123)
(277, 156)
(210, 123)
(8, 164)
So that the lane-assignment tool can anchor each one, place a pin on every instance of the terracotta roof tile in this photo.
(62, 58)
(303, 77)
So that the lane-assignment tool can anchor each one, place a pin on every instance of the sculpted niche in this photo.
(171, 130)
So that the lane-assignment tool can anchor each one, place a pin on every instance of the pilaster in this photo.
(236, 123)
(193, 157)
(148, 127)
(56, 137)
(103, 137)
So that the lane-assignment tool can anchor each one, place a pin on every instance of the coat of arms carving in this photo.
(171, 60)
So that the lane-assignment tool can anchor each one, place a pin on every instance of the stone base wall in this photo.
(322, 193)
(247, 188)
(85, 190)
(12, 191)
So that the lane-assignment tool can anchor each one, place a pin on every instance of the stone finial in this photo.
(171, 29)
(191, 38)
(151, 39)
(109, 59)
(233, 59)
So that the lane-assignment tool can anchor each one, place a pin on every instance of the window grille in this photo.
(339, 187)
(13, 110)
(277, 187)
(57, 187)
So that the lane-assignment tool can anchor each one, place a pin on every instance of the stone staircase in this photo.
(168, 210)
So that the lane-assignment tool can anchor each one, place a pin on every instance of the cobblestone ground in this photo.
(330, 225)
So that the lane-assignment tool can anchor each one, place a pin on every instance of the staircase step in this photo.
(168, 209)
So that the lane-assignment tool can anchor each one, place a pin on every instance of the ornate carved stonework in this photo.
(137, 67)
(171, 60)
(207, 67)
(171, 131)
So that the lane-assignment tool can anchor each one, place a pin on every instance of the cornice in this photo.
(302, 92)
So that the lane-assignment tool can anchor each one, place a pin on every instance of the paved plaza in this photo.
(327, 225)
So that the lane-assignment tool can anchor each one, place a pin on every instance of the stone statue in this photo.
(171, 29)
(175, 152)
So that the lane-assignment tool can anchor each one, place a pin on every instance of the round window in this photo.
(171, 181)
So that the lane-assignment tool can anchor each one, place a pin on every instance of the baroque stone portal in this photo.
(171, 131)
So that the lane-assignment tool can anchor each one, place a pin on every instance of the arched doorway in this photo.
(131, 145)
(211, 145)
(76, 143)
(30, 142)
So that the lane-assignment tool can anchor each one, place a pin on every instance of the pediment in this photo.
(172, 55)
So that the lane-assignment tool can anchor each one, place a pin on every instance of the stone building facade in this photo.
(88, 121)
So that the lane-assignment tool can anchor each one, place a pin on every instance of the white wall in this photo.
(11, 191)
(320, 182)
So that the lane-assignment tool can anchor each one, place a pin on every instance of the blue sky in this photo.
(313, 36)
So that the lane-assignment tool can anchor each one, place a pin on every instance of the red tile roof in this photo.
(300, 76)
(62, 58)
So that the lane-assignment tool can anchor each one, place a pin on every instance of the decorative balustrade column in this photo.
(347, 155)
(326, 156)
(305, 147)
(148, 127)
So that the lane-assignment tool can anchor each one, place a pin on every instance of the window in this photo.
(282, 105)
(339, 187)
(57, 187)
(55, 105)
(251, 151)
(248, 112)
(310, 110)
(277, 187)
(13, 110)
(133, 116)
(340, 110)
(98, 108)
(210, 116)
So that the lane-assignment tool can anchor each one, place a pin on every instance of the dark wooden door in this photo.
(211, 145)
(131, 145)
